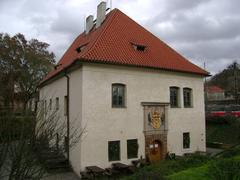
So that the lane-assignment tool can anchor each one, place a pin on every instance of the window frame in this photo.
(57, 103)
(171, 88)
(190, 100)
(65, 105)
(131, 156)
(114, 157)
(50, 104)
(119, 85)
(189, 140)
(45, 106)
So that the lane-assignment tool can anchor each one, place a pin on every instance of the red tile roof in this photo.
(214, 89)
(111, 43)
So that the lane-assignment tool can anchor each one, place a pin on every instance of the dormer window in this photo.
(139, 47)
(81, 48)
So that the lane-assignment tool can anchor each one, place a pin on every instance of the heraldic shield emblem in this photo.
(154, 120)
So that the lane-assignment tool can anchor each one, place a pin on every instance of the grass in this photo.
(197, 167)
(194, 167)
(168, 167)
(203, 172)
(198, 173)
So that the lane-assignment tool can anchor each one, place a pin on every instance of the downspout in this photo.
(67, 113)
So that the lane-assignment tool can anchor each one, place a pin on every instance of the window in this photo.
(186, 140)
(30, 104)
(81, 48)
(187, 97)
(174, 96)
(45, 106)
(118, 95)
(114, 150)
(139, 47)
(57, 103)
(65, 105)
(50, 104)
(132, 148)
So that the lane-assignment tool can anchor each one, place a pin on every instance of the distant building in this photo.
(135, 96)
(215, 93)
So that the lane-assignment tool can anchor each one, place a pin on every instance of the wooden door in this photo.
(155, 153)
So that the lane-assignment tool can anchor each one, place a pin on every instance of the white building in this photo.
(215, 93)
(133, 95)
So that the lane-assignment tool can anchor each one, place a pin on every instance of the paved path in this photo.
(214, 151)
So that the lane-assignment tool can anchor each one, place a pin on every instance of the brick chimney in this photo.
(101, 13)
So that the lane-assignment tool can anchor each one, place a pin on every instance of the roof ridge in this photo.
(110, 44)
(100, 34)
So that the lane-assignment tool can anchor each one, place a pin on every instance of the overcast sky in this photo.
(201, 30)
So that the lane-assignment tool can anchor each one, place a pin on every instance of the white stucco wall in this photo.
(75, 113)
(91, 108)
(56, 89)
(105, 123)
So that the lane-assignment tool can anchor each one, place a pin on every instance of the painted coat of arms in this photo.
(154, 120)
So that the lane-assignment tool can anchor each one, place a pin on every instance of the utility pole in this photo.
(205, 88)
(235, 82)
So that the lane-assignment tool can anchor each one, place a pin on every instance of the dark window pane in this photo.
(115, 90)
(120, 100)
(187, 97)
(174, 96)
(132, 148)
(114, 150)
(114, 99)
(186, 140)
(121, 90)
(118, 95)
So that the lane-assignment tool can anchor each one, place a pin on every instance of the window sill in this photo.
(175, 107)
(188, 106)
(131, 158)
(114, 160)
(186, 150)
(119, 107)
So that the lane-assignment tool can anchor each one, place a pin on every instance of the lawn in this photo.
(168, 167)
(198, 173)
(194, 167)
(204, 172)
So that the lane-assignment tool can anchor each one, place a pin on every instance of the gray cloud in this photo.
(201, 30)
(176, 5)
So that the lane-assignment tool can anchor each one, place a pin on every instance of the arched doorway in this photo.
(155, 151)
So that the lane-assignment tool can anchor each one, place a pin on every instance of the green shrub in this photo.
(227, 133)
(147, 176)
(14, 127)
(231, 152)
(228, 119)
(192, 160)
(167, 167)
(224, 169)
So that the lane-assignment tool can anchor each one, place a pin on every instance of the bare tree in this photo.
(24, 139)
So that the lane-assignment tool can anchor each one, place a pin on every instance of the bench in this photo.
(95, 170)
(123, 167)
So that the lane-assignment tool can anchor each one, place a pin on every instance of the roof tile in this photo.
(112, 43)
